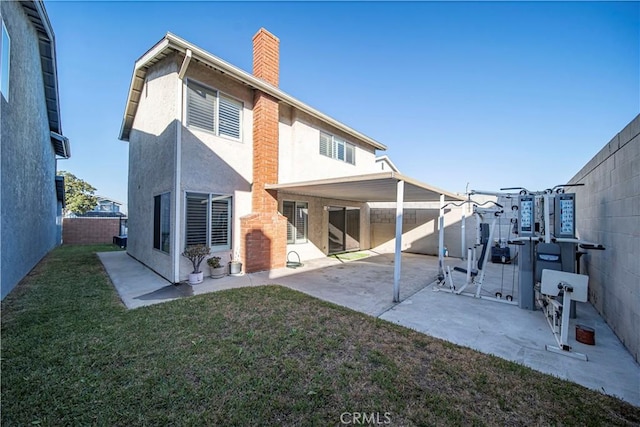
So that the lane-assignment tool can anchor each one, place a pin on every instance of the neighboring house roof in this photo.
(106, 199)
(46, 42)
(388, 161)
(171, 43)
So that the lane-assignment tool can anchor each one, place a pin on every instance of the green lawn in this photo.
(73, 355)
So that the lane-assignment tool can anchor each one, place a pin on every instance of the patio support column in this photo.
(441, 238)
(398, 255)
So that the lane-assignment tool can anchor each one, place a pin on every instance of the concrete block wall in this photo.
(83, 231)
(420, 231)
(608, 212)
(388, 216)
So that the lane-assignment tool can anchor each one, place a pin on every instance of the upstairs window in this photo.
(337, 148)
(5, 56)
(208, 220)
(209, 110)
(297, 214)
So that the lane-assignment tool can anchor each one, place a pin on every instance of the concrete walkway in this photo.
(365, 285)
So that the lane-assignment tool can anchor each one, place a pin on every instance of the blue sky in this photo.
(492, 94)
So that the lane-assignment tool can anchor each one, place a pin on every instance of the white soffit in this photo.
(376, 187)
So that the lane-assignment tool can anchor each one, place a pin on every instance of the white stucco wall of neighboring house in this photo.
(152, 163)
(300, 158)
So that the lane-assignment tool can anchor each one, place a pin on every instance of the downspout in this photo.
(177, 199)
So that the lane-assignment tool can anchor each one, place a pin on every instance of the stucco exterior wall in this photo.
(216, 164)
(220, 165)
(608, 212)
(152, 163)
(28, 202)
(318, 224)
(300, 158)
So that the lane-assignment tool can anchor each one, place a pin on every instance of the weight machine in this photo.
(547, 256)
(485, 233)
(547, 263)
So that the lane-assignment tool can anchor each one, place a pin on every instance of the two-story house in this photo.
(31, 196)
(222, 157)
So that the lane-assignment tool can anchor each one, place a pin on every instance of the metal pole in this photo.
(398, 254)
(463, 237)
(547, 218)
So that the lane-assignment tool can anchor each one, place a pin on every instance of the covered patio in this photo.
(377, 187)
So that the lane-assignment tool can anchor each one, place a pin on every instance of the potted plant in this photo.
(235, 266)
(196, 254)
(217, 269)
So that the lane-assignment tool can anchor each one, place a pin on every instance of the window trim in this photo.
(295, 240)
(157, 225)
(4, 30)
(335, 143)
(210, 198)
(217, 94)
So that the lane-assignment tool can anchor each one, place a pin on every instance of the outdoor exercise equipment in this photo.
(485, 233)
(548, 258)
(544, 224)
(571, 287)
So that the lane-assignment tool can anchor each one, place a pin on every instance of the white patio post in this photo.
(398, 254)
(441, 238)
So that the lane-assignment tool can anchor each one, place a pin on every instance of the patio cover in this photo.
(376, 187)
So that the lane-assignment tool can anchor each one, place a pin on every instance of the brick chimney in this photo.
(264, 231)
(266, 56)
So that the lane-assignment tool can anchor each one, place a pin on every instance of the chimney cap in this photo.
(266, 32)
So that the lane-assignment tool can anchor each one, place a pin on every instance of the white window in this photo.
(297, 214)
(162, 222)
(337, 148)
(209, 110)
(5, 56)
(208, 220)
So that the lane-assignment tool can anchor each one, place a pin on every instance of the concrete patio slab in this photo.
(366, 285)
(520, 335)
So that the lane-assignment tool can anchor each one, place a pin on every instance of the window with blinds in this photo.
(196, 219)
(337, 148)
(297, 214)
(208, 220)
(229, 117)
(201, 106)
(209, 110)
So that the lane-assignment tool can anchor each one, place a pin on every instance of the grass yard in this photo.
(73, 355)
